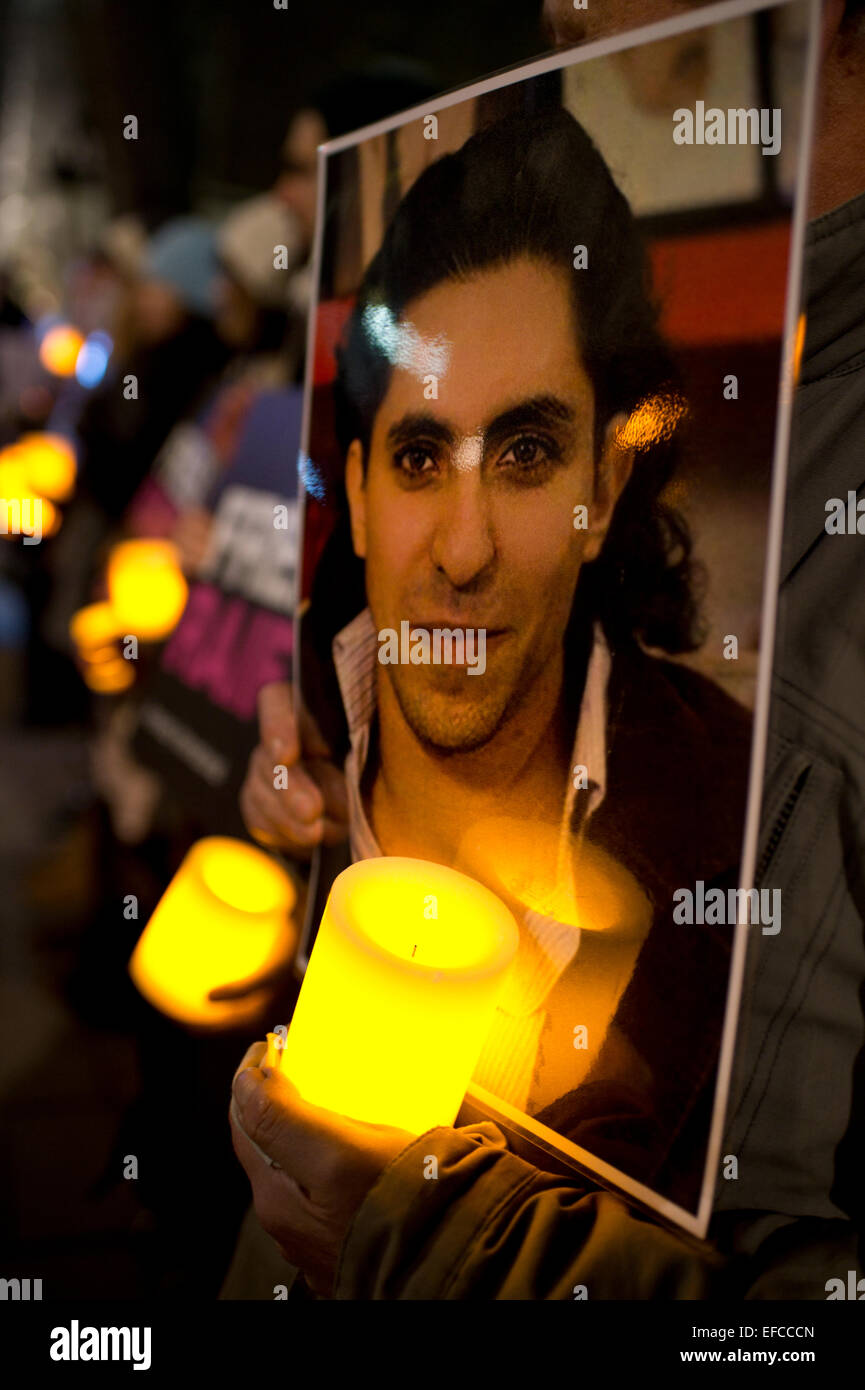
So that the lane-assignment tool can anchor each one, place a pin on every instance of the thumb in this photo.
(276, 721)
(280, 1124)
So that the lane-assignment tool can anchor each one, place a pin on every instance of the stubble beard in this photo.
(447, 725)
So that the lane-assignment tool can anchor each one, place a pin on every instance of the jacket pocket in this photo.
(781, 813)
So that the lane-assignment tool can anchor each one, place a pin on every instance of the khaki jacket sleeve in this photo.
(491, 1226)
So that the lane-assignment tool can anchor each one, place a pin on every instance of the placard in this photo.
(546, 427)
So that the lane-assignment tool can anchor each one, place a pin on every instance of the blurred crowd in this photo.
(169, 364)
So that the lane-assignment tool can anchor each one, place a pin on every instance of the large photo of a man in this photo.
(531, 599)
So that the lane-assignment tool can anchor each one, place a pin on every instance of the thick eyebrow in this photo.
(419, 425)
(537, 412)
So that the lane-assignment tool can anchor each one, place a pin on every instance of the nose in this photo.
(463, 543)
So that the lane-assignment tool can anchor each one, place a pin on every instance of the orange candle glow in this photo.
(399, 993)
(59, 349)
(108, 677)
(224, 917)
(50, 465)
(94, 630)
(25, 511)
(146, 588)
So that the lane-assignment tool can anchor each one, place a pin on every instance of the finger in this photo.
(298, 1136)
(267, 817)
(258, 815)
(281, 1204)
(251, 1057)
(254, 1160)
(277, 723)
(269, 839)
(298, 795)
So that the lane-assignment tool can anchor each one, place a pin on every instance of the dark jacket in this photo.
(677, 764)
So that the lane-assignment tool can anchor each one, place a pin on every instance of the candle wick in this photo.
(413, 949)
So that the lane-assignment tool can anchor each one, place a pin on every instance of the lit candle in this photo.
(224, 917)
(399, 993)
(50, 463)
(146, 588)
(59, 349)
(94, 631)
(109, 676)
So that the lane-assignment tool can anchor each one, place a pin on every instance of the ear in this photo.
(612, 474)
(355, 487)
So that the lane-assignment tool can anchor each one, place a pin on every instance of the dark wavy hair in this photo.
(535, 185)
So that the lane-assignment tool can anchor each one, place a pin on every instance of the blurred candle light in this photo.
(49, 464)
(146, 588)
(51, 518)
(94, 630)
(399, 993)
(110, 676)
(224, 917)
(26, 512)
(59, 349)
(14, 481)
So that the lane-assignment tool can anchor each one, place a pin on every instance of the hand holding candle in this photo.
(309, 1169)
(399, 993)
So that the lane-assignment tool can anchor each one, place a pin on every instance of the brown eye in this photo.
(415, 461)
(528, 453)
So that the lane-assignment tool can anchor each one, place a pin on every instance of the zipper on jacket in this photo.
(781, 824)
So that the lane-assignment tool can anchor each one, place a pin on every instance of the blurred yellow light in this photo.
(15, 491)
(546, 869)
(799, 346)
(399, 993)
(49, 462)
(100, 656)
(146, 588)
(59, 349)
(14, 480)
(655, 419)
(51, 518)
(224, 917)
(110, 676)
(94, 629)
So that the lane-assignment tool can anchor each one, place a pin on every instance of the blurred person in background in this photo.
(297, 186)
(258, 246)
(173, 352)
(176, 353)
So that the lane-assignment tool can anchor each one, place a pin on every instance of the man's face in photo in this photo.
(465, 514)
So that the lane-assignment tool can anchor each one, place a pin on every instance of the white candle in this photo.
(399, 993)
